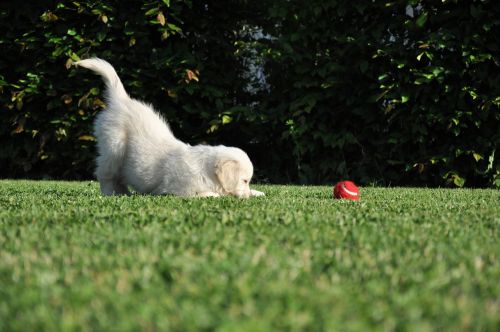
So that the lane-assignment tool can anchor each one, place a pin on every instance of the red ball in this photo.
(346, 190)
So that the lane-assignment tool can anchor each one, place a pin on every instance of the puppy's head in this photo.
(234, 170)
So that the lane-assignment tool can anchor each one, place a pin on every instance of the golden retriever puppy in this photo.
(137, 149)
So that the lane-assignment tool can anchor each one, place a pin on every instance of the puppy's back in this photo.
(140, 121)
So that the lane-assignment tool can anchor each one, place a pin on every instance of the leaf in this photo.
(419, 167)
(226, 119)
(161, 18)
(383, 77)
(171, 93)
(69, 63)
(48, 16)
(174, 27)
(73, 56)
(422, 19)
(166, 2)
(420, 81)
(458, 181)
(20, 127)
(452, 178)
(66, 99)
(99, 103)
(477, 156)
(19, 104)
(192, 75)
(380, 95)
(437, 70)
(152, 11)
(94, 91)
(213, 128)
(101, 35)
(86, 138)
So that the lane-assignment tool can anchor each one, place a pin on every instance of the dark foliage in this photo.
(402, 93)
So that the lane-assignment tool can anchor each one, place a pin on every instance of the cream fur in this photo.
(137, 149)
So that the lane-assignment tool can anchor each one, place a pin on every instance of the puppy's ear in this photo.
(227, 173)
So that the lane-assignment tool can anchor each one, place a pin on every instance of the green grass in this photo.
(399, 259)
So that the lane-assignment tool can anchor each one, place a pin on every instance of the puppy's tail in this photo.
(113, 83)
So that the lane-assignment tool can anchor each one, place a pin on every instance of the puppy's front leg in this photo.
(207, 194)
(256, 193)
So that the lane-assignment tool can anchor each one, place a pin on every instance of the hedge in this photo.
(390, 93)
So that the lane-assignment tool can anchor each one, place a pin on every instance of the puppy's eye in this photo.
(245, 181)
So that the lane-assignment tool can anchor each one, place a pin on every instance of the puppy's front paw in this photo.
(256, 193)
(208, 194)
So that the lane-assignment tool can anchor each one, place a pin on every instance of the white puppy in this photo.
(137, 148)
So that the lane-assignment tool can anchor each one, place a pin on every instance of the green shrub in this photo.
(167, 53)
(396, 93)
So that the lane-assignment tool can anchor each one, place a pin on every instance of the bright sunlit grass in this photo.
(399, 259)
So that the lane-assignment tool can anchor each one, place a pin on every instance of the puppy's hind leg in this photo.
(120, 187)
(105, 173)
(109, 163)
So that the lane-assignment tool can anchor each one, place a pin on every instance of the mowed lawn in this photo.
(296, 260)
